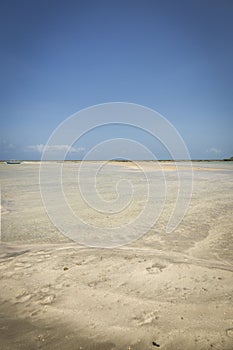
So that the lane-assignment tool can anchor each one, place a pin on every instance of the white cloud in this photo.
(214, 150)
(55, 148)
(38, 148)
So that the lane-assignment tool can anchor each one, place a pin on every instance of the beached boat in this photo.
(13, 161)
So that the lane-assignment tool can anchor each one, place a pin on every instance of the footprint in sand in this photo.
(20, 266)
(156, 268)
(23, 297)
(229, 332)
(147, 318)
(47, 299)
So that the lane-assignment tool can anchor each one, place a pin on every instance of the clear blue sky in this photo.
(58, 57)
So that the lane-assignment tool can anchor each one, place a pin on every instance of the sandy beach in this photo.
(168, 291)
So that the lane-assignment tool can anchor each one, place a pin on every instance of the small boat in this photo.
(13, 161)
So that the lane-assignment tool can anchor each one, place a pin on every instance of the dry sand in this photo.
(162, 291)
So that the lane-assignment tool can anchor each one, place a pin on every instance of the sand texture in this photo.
(168, 291)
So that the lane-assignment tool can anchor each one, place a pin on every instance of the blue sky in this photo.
(58, 57)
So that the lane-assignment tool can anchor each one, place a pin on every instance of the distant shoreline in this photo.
(124, 160)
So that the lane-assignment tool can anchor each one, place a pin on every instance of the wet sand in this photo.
(171, 291)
